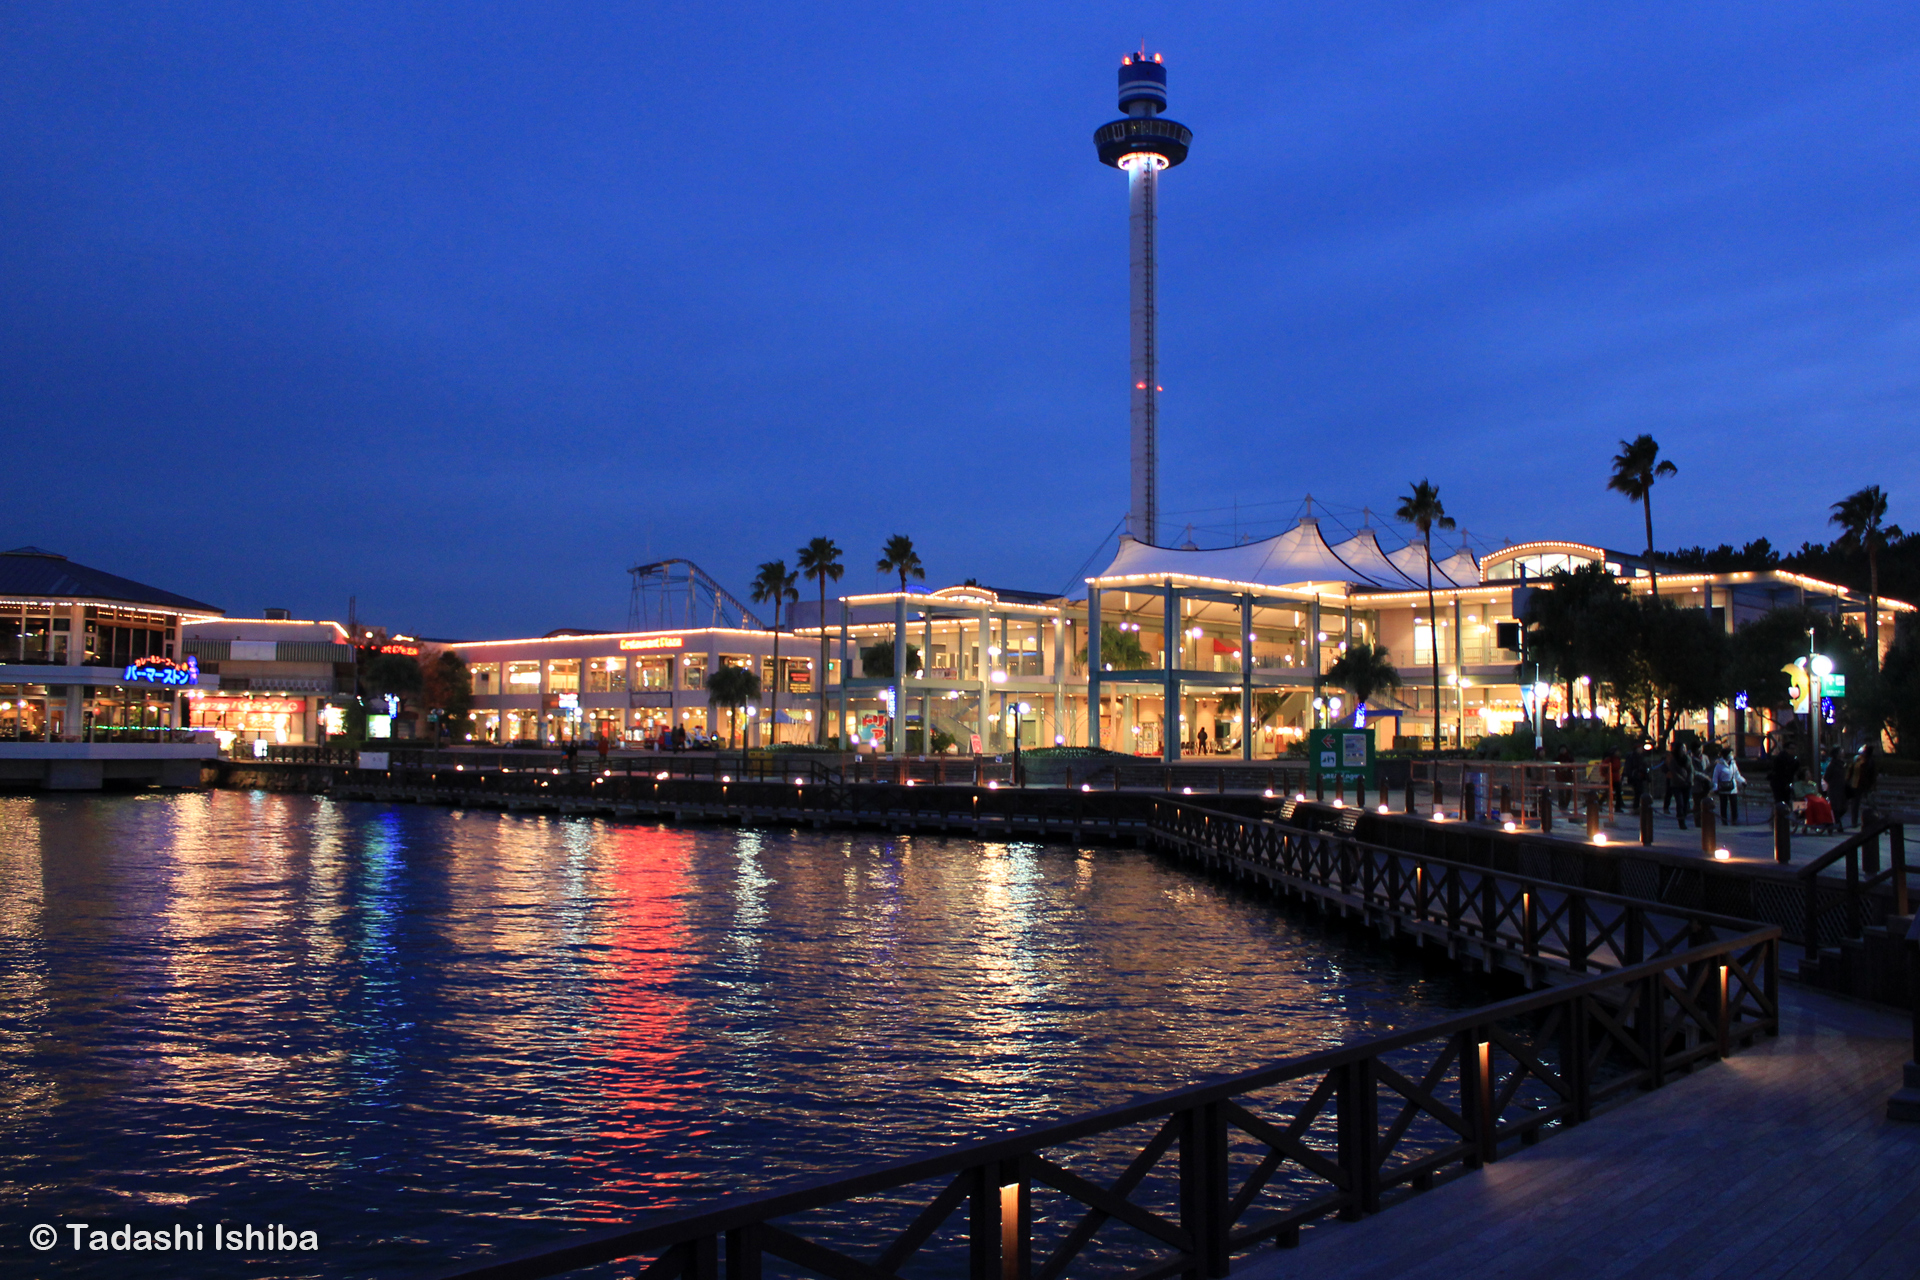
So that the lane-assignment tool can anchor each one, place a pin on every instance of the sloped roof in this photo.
(1291, 559)
(32, 571)
(1364, 553)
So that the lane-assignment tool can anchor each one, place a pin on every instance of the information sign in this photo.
(1343, 754)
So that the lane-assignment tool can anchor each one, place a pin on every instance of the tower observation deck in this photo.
(1142, 145)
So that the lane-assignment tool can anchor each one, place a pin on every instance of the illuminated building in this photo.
(1141, 145)
(92, 676)
(277, 677)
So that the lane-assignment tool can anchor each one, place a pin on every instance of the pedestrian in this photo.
(680, 737)
(1702, 784)
(1862, 777)
(1727, 781)
(1833, 777)
(1638, 777)
(1679, 782)
(1200, 738)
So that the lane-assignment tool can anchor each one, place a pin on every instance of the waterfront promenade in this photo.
(1779, 1161)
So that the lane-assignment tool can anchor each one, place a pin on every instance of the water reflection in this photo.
(421, 1031)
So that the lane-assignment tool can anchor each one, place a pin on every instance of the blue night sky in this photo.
(464, 308)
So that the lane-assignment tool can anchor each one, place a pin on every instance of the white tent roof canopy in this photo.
(1299, 559)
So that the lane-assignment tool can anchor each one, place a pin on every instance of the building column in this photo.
(1313, 648)
(1093, 669)
(985, 672)
(540, 715)
(1060, 680)
(1247, 726)
(897, 722)
(846, 627)
(926, 697)
(1172, 643)
(1706, 593)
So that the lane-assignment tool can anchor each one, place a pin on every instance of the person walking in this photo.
(1679, 782)
(1702, 782)
(1833, 778)
(1862, 777)
(1727, 781)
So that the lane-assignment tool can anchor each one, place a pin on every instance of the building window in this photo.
(523, 677)
(655, 673)
(486, 677)
(563, 675)
(693, 671)
(606, 675)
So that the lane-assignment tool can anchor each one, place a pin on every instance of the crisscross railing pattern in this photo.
(1176, 1183)
(1531, 920)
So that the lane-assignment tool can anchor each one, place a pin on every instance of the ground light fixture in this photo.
(1509, 825)
(1088, 786)
(1186, 791)
(1383, 808)
(993, 786)
(1599, 837)
(1268, 793)
(1338, 803)
(1722, 854)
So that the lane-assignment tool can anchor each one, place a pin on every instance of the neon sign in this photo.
(259, 706)
(655, 642)
(404, 650)
(163, 671)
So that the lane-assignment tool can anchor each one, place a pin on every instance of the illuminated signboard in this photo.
(163, 671)
(404, 650)
(655, 642)
(259, 706)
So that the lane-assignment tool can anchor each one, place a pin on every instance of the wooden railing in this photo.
(1528, 918)
(1175, 1184)
(1829, 917)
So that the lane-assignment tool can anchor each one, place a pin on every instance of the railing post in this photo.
(1476, 1096)
(1636, 935)
(983, 1226)
(1782, 835)
(1722, 1010)
(703, 1262)
(1575, 1052)
(1359, 1138)
(1577, 932)
(1205, 1194)
(1897, 850)
(1653, 1034)
(1853, 893)
(1646, 817)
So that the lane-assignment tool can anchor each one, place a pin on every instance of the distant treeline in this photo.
(1828, 561)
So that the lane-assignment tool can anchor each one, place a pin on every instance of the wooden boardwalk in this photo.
(1777, 1162)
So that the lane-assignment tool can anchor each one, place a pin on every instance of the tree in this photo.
(1120, 650)
(447, 687)
(1265, 707)
(774, 585)
(1580, 623)
(1760, 650)
(1635, 468)
(898, 556)
(820, 561)
(1363, 670)
(1421, 508)
(1859, 516)
(876, 659)
(732, 688)
(391, 675)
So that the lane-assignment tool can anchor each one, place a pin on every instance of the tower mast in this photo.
(1141, 146)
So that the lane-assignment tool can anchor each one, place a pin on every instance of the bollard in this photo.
(1593, 815)
(1360, 791)
(1646, 817)
(1439, 794)
(1708, 821)
(1782, 833)
(1319, 786)
(1506, 798)
(1544, 803)
(1340, 787)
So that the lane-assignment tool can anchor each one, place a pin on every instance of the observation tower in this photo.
(1142, 145)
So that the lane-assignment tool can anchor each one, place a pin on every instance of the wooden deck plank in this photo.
(1777, 1162)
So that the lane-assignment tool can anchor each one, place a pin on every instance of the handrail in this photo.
(1535, 920)
(1463, 1085)
(1854, 900)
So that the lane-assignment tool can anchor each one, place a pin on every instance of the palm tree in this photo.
(1635, 468)
(898, 556)
(774, 585)
(732, 688)
(1421, 508)
(1859, 516)
(820, 560)
(1363, 670)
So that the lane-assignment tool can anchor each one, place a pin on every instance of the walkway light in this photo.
(1509, 825)
(1088, 786)
(1722, 855)
(1383, 809)
(1822, 665)
(1599, 837)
